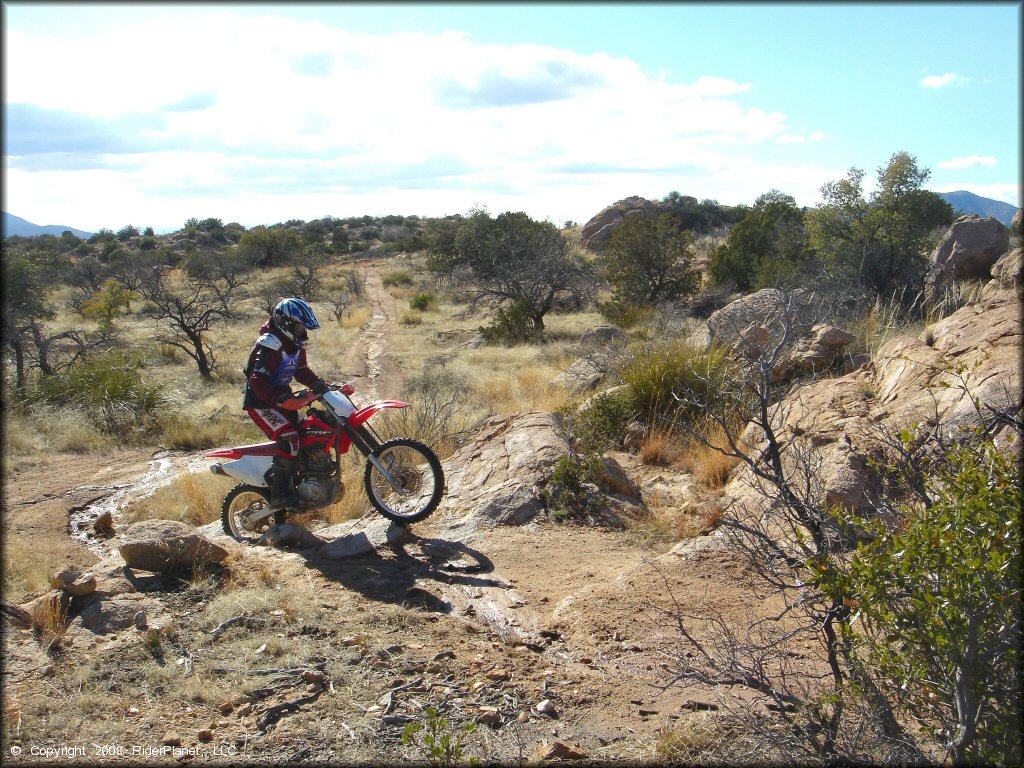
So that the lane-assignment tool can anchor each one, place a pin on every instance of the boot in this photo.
(278, 478)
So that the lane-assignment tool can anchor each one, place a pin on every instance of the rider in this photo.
(279, 356)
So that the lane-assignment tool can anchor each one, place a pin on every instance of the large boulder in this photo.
(754, 321)
(584, 374)
(499, 476)
(598, 231)
(169, 547)
(1017, 223)
(968, 250)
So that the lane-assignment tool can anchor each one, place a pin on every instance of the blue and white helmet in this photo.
(291, 311)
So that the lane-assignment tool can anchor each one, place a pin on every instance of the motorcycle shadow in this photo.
(402, 571)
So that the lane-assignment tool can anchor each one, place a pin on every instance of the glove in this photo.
(295, 401)
(320, 387)
(345, 388)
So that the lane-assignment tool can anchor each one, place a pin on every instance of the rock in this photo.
(820, 351)
(613, 479)
(598, 231)
(498, 477)
(602, 335)
(584, 374)
(291, 535)
(74, 582)
(171, 739)
(759, 319)
(358, 537)
(205, 734)
(636, 434)
(1007, 274)
(969, 249)
(168, 547)
(545, 707)
(754, 341)
(17, 615)
(117, 612)
(45, 609)
(1017, 223)
(490, 719)
(103, 526)
(558, 750)
(140, 620)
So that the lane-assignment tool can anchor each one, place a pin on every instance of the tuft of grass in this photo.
(190, 433)
(660, 448)
(357, 318)
(25, 568)
(397, 278)
(703, 457)
(688, 741)
(50, 620)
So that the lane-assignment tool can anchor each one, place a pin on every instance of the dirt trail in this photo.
(511, 616)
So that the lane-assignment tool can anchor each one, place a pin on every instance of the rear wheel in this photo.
(419, 481)
(244, 499)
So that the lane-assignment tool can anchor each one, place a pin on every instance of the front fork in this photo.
(367, 442)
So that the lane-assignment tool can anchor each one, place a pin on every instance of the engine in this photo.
(316, 483)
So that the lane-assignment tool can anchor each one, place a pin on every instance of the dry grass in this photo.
(26, 568)
(704, 458)
(661, 449)
(190, 498)
(689, 740)
(50, 620)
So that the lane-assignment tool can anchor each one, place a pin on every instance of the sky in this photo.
(149, 114)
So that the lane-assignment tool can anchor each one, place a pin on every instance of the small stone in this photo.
(444, 655)
(244, 710)
(313, 676)
(490, 719)
(225, 707)
(260, 650)
(171, 739)
(141, 621)
(558, 750)
(133, 711)
(498, 674)
(523, 717)
(206, 734)
(104, 525)
(545, 707)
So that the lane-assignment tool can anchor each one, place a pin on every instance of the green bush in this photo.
(603, 424)
(938, 600)
(676, 380)
(565, 493)
(514, 325)
(108, 387)
(423, 301)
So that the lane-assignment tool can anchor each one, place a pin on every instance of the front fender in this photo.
(361, 416)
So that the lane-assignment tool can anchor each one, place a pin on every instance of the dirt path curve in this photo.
(366, 361)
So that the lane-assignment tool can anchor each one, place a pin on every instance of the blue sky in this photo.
(150, 114)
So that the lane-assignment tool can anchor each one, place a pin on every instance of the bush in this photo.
(566, 494)
(423, 302)
(511, 326)
(108, 386)
(397, 278)
(688, 371)
(603, 424)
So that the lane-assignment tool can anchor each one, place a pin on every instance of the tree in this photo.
(648, 262)
(765, 248)
(510, 259)
(188, 306)
(881, 242)
(265, 247)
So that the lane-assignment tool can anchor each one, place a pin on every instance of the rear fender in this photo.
(364, 414)
(249, 469)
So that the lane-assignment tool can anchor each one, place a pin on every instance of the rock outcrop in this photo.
(598, 231)
(498, 478)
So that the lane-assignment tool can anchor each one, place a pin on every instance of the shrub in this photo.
(511, 326)
(423, 302)
(603, 424)
(397, 278)
(566, 494)
(108, 386)
(411, 318)
(682, 368)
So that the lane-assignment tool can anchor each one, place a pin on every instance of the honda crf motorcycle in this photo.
(403, 477)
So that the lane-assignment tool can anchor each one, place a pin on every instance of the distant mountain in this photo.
(968, 202)
(15, 225)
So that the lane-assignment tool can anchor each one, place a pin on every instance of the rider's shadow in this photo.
(396, 572)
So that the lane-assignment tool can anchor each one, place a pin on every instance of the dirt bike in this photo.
(403, 477)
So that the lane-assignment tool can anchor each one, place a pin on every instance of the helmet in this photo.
(291, 311)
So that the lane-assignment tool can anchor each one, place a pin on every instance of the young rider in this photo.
(279, 356)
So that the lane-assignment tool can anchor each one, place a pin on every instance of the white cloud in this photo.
(959, 163)
(800, 138)
(266, 115)
(941, 81)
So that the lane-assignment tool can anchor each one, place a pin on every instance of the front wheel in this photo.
(418, 481)
(237, 509)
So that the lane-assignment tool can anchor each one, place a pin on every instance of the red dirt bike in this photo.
(403, 478)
